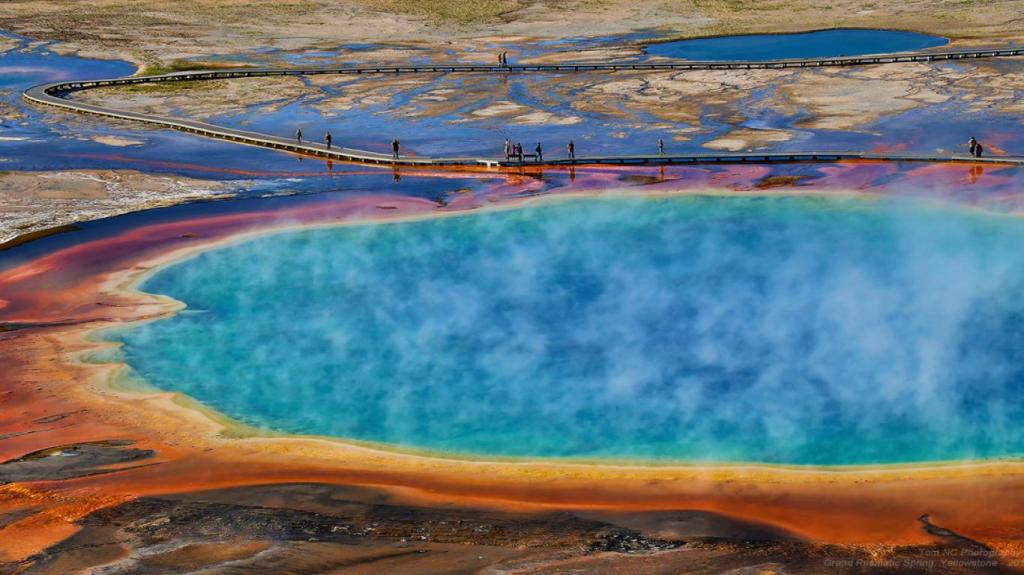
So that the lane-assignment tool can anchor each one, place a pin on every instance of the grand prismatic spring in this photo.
(769, 330)
(762, 317)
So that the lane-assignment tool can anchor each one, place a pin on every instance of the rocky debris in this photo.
(620, 541)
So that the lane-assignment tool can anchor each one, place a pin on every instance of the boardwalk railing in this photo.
(56, 94)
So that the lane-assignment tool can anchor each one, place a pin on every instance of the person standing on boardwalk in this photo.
(394, 148)
(539, 152)
(661, 147)
(508, 149)
(504, 58)
(519, 152)
(572, 150)
(327, 140)
(298, 135)
(972, 144)
(978, 150)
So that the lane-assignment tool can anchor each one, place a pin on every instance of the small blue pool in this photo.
(819, 44)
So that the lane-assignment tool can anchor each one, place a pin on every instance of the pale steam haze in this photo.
(784, 330)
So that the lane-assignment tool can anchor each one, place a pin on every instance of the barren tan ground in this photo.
(32, 201)
(164, 30)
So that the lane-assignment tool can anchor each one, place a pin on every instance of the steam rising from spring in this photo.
(786, 330)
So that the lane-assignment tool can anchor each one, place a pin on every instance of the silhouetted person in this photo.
(972, 144)
(298, 135)
(978, 150)
(661, 147)
(539, 152)
(504, 58)
(508, 149)
(572, 150)
(519, 152)
(394, 148)
(327, 140)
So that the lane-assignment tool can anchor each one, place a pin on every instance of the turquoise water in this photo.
(818, 44)
(782, 330)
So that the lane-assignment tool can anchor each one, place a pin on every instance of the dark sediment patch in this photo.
(71, 461)
(304, 528)
(347, 518)
(15, 516)
(640, 179)
(693, 524)
(15, 326)
(950, 535)
(779, 181)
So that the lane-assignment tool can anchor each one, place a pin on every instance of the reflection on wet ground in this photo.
(990, 188)
(913, 107)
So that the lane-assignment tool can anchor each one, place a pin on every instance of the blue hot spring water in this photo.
(818, 44)
(793, 330)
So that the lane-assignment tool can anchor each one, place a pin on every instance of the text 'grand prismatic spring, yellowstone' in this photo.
(511, 287)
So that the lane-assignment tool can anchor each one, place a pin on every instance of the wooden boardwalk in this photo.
(55, 94)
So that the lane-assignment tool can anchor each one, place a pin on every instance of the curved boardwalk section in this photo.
(55, 95)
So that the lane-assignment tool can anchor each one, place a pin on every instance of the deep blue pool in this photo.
(819, 44)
